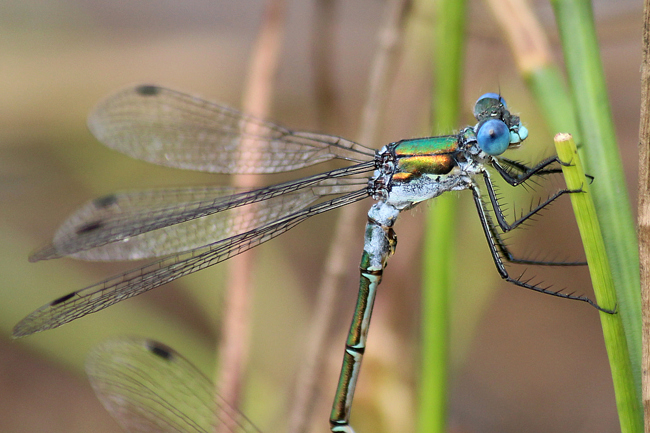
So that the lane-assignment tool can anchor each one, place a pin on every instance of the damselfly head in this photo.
(497, 130)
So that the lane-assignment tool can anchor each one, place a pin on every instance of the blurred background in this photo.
(520, 361)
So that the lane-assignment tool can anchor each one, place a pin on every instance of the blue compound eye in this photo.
(494, 96)
(493, 137)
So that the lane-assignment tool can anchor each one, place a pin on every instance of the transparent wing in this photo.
(198, 232)
(173, 129)
(154, 223)
(149, 387)
(136, 281)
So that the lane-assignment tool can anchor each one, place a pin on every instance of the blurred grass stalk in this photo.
(587, 116)
(258, 94)
(438, 255)
(629, 409)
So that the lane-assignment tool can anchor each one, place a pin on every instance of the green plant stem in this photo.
(629, 408)
(438, 262)
(550, 91)
(602, 160)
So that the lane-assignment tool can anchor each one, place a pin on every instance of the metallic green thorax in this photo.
(427, 146)
(432, 155)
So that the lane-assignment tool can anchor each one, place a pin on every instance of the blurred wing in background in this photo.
(149, 387)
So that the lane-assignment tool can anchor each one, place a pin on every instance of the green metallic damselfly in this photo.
(173, 129)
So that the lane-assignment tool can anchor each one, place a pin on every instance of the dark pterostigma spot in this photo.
(62, 299)
(147, 90)
(89, 227)
(160, 350)
(106, 201)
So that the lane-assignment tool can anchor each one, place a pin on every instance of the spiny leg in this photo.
(527, 172)
(501, 245)
(502, 269)
(499, 213)
(509, 257)
(523, 168)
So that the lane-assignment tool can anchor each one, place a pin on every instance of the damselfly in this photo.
(173, 129)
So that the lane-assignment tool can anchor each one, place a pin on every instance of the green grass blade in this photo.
(551, 94)
(437, 282)
(438, 262)
(602, 160)
(627, 402)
